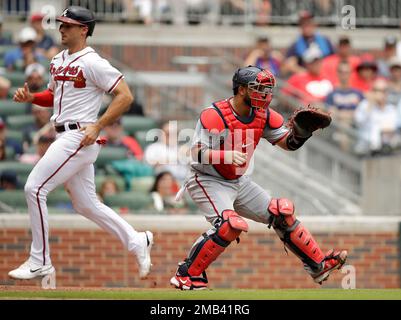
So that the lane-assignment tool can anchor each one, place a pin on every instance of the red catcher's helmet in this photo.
(260, 83)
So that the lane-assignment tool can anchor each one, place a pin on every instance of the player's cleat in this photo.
(188, 283)
(143, 254)
(29, 270)
(334, 260)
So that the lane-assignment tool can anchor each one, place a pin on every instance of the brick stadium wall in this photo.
(85, 256)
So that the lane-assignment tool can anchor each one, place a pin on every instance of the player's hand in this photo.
(92, 131)
(237, 158)
(23, 94)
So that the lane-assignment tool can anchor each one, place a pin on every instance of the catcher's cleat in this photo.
(29, 270)
(189, 283)
(334, 260)
(143, 254)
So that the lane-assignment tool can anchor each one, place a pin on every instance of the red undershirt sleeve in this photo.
(44, 98)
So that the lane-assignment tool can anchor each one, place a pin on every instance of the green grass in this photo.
(217, 294)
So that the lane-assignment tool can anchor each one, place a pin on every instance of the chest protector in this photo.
(241, 136)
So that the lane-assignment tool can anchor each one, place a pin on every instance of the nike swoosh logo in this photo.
(183, 282)
(245, 145)
(147, 239)
(34, 270)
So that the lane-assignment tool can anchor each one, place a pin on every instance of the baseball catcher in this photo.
(226, 136)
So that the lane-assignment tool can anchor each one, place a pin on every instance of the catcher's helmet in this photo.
(79, 16)
(260, 83)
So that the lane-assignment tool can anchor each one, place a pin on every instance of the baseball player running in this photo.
(79, 77)
(225, 138)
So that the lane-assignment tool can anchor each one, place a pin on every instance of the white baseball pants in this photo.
(66, 162)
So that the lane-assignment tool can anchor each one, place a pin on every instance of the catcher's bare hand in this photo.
(237, 158)
(92, 131)
(23, 94)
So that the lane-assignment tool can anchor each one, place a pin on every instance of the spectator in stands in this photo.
(163, 193)
(115, 137)
(343, 54)
(394, 93)
(3, 153)
(136, 109)
(9, 142)
(108, 187)
(390, 51)
(398, 47)
(35, 74)
(26, 54)
(262, 10)
(376, 121)
(366, 74)
(42, 144)
(139, 10)
(5, 86)
(164, 155)
(309, 38)
(44, 42)
(196, 10)
(309, 86)
(264, 57)
(343, 101)
(233, 8)
(41, 117)
(9, 181)
(4, 39)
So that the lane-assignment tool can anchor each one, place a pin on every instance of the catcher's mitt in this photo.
(306, 120)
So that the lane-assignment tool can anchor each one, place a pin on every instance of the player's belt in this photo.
(71, 126)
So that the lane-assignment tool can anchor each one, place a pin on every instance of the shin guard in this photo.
(294, 234)
(212, 245)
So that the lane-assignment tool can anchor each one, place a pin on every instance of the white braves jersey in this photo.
(78, 82)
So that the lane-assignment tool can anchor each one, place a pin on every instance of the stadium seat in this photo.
(140, 136)
(142, 184)
(10, 153)
(3, 50)
(11, 108)
(58, 197)
(193, 208)
(16, 135)
(13, 198)
(19, 122)
(19, 168)
(131, 200)
(58, 201)
(108, 154)
(119, 180)
(132, 124)
(17, 78)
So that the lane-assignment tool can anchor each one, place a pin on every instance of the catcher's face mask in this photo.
(261, 90)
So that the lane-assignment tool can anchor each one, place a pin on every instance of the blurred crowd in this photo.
(197, 11)
(362, 90)
(26, 133)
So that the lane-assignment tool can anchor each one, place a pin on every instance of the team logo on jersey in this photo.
(69, 73)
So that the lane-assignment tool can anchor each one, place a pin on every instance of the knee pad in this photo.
(228, 229)
(293, 233)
